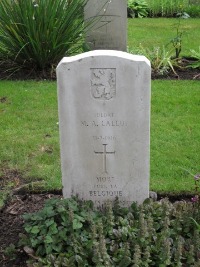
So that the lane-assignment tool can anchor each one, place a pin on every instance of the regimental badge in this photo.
(103, 83)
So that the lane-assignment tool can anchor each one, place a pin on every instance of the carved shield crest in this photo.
(103, 83)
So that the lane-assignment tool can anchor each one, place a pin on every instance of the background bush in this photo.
(167, 8)
(37, 34)
(193, 10)
(137, 8)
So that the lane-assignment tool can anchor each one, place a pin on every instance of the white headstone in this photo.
(104, 118)
(110, 30)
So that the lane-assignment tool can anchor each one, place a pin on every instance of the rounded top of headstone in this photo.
(106, 53)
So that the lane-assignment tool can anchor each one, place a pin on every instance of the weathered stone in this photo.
(110, 29)
(104, 118)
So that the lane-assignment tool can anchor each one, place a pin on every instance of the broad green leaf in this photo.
(35, 230)
(53, 229)
(48, 239)
(77, 224)
(49, 222)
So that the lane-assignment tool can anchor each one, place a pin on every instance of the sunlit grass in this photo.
(154, 32)
(29, 130)
(175, 135)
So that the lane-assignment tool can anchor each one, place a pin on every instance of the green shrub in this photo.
(193, 11)
(72, 233)
(37, 34)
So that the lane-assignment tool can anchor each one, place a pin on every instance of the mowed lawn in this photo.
(156, 32)
(30, 133)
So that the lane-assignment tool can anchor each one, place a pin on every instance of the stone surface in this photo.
(104, 118)
(110, 29)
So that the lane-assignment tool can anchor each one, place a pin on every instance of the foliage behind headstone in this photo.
(37, 34)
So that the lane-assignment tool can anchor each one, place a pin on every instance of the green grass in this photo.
(29, 127)
(156, 32)
(30, 135)
(175, 135)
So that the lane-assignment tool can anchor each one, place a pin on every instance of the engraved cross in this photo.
(105, 152)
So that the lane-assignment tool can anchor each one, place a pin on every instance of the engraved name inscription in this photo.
(106, 123)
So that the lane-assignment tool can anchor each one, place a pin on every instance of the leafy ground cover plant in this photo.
(137, 8)
(73, 233)
(37, 34)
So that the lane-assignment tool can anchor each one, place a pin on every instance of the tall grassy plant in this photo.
(37, 34)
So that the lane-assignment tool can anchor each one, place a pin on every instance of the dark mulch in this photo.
(182, 73)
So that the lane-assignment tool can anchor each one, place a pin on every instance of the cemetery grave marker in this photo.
(110, 30)
(104, 118)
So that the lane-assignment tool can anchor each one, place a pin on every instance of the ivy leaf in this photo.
(49, 222)
(48, 239)
(48, 249)
(80, 218)
(35, 230)
(57, 247)
(73, 205)
(77, 224)
(125, 262)
(53, 229)
(28, 229)
(34, 242)
(27, 216)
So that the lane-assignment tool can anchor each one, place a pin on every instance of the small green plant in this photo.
(196, 178)
(54, 228)
(196, 55)
(11, 252)
(137, 8)
(196, 198)
(177, 40)
(197, 181)
(73, 233)
(160, 58)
